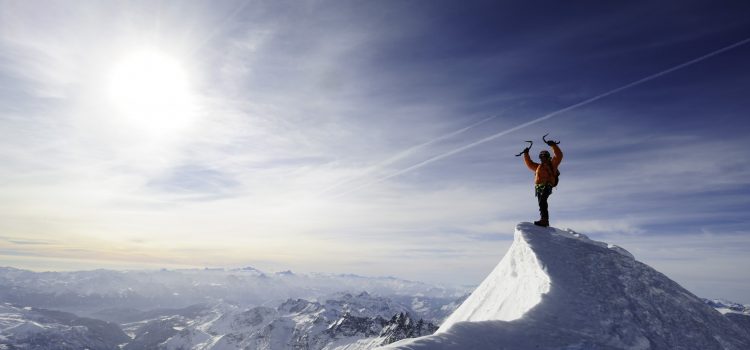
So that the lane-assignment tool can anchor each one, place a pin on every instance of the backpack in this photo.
(556, 172)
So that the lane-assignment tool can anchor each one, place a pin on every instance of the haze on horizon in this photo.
(301, 135)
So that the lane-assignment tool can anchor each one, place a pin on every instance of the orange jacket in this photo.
(543, 172)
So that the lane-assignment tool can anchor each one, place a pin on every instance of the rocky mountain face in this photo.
(301, 324)
(401, 327)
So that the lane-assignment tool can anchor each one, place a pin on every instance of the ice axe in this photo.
(531, 143)
(547, 142)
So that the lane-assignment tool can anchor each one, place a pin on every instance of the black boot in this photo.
(542, 222)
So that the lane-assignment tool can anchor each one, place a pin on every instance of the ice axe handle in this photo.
(531, 143)
(547, 142)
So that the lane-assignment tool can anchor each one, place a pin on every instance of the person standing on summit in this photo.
(546, 176)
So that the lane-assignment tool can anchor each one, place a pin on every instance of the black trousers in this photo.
(542, 194)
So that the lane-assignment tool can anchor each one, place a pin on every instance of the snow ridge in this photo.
(515, 285)
(557, 289)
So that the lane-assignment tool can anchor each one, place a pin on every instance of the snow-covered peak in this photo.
(558, 289)
(515, 285)
(725, 306)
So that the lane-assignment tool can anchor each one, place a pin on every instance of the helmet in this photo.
(544, 154)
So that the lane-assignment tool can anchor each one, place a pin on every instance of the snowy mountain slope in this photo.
(31, 328)
(295, 324)
(557, 289)
(399, 327)
(221, 308)
(340, 321)
(741, 320)
(726, 307)
(516, 285)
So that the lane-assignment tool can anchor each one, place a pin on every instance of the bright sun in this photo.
(151, 91)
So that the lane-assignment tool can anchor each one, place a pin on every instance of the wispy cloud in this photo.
(322, 128)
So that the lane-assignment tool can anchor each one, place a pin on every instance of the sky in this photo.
(372, 137)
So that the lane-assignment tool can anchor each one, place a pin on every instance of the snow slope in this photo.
(558, 289)
(514, 286)
(41, 329)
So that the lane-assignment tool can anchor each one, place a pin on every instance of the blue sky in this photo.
(302, 134)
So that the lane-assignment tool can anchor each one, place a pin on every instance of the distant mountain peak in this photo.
(284, 273)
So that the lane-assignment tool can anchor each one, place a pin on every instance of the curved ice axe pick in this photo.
(531, 143)
(545, 140)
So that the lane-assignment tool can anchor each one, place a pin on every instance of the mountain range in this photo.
(553, 289)
(214, 309)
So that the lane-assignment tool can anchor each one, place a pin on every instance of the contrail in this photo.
(550, 115)
(218, 28)
(407, 152)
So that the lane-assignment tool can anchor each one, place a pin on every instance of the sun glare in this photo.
(150, 91)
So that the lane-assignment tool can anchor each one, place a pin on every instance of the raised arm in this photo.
(558, 155)
(529, 163)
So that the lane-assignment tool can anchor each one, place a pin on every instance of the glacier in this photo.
(558, 289)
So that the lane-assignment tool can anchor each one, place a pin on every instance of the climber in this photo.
(546, 176)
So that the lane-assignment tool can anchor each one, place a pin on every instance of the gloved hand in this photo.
(526, 150)
(552, 142)
(549, 142)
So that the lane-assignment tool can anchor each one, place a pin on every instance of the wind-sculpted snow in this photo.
(514, 286)
(558, 289)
